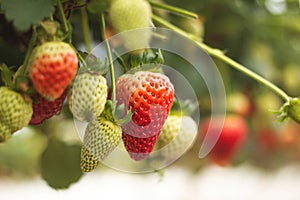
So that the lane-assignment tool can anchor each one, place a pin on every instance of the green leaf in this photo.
(6, 75)
(9, 54)
(26, 13)
(60, 164)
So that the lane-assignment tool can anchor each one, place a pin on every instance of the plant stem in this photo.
(85, 29)
(220, 55)
(29, 51)
(80, 58)
(111, 66)
(62, 13)
(174, 9)
(167, 24)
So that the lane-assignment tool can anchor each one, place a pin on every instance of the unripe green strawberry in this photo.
(169, 131)
(131, 14)
(15, 112)
(5, 133)
(176, 136)
(88, 98)
(192, 26)
(88, 161)
(101, 138)
(53, 66)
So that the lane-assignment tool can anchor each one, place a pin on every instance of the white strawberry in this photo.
(88, 96)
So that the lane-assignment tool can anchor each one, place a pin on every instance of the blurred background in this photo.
(263, 35)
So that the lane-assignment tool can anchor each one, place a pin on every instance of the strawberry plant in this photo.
(124, 99)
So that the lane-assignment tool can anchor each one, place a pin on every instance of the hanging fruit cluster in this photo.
(50, 73)
(136, 108)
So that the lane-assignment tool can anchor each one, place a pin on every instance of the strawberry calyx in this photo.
(93, 64)
(47, 31)
(16, 81)
(120, 116)
(108, 111)
(6, 76)
(147, 58)
(290, 109)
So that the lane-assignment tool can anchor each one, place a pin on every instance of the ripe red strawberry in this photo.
(232, 137)
(149, 96)
(43, 109)
(53, 66)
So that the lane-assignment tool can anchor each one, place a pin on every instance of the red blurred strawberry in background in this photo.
(232, 137)
(288, 136)
(266, 140)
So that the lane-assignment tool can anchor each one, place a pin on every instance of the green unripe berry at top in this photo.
(127, 15)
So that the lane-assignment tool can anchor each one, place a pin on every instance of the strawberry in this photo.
(239, 103)
(266, 141)
(232, 137)
(176, 136)
(88, 98)
(53, 65)
(44, 109)
(15, 112)
(169, 131)
(5, 133)
(149, 96)
(127, 15)
(101, 138)
(288, 135)
(192, 26)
